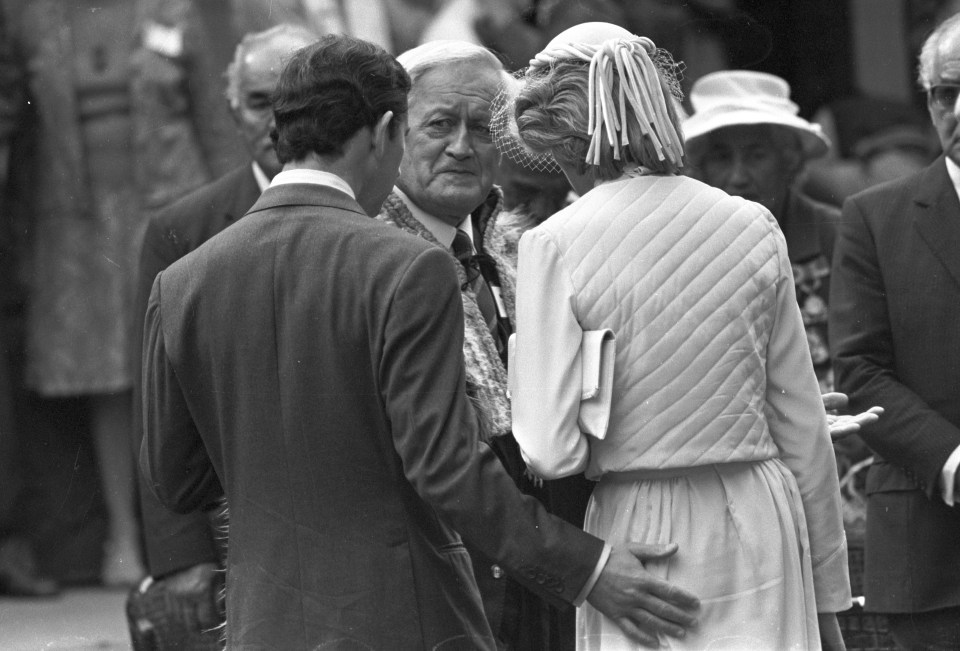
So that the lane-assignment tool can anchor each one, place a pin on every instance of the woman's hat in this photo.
(587, 34)
(737, 97)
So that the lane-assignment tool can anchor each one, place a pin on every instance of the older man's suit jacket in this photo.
(895, 303)
(176, 541)
(307, 363)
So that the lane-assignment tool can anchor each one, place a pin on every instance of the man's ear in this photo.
(232, 110)
(381, 133)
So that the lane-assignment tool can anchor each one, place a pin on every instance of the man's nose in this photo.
(460, 144)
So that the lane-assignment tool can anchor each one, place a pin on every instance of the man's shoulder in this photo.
(812, 209)
(209, 201)
(896, 189)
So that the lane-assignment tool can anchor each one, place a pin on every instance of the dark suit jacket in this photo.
(178, 541)
(307, 363)
(895, 304)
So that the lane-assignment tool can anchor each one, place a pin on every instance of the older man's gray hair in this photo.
(423, 58)
(251, 40)
(928, 53)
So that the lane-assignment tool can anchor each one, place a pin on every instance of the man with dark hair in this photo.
(182, 550)
(306, 363)
(895, 301)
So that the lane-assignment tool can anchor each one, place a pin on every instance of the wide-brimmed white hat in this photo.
(737, 97)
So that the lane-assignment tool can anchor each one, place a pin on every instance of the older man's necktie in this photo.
(463, 250)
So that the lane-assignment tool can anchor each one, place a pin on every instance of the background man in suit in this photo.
(895, 303)
(307, 365)
(182, 548)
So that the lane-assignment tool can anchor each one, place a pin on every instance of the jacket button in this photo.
(496, 571)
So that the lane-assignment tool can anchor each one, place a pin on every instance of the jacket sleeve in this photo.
(173, 459)
(910, 434)
(798, 424)
(435, 433)
(546, 397)
(173, 541)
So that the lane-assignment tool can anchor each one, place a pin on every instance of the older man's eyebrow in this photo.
(259, 95)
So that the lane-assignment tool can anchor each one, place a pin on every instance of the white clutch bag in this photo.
(597, 355)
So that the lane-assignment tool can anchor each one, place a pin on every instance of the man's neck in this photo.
(331, 166)
(441, 229)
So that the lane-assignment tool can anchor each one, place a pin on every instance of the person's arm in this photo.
(910, 434)
(798, 424)
(842, 425)
(180, 548)
(435, 433)
(173, 459)
(546, 399)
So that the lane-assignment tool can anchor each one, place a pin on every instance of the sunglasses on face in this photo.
(943, 97)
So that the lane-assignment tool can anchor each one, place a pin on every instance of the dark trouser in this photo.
(11, 479)
(935, 630)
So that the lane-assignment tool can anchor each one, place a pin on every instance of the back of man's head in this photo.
(330, 90)
(279, 41)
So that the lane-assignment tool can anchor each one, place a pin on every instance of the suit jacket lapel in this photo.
(938, 220)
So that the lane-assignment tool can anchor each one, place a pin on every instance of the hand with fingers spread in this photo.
(642, 605)
(844, 425)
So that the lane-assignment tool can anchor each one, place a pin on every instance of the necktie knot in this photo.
(462, 248)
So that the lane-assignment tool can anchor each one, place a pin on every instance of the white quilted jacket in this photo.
(712, 364)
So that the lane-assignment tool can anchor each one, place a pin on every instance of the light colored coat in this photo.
(712, 365)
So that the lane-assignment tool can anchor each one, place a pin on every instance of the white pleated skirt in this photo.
(743, 550)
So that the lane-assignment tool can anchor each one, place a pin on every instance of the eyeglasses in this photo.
(943, 97)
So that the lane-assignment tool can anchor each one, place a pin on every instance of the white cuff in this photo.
(947, 476)
(592, 581)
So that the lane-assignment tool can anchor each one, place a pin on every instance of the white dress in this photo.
(717, 437)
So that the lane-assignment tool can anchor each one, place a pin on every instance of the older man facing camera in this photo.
(182, 549)
(896, 303)
(446, 195)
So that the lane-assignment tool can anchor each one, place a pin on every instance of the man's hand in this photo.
(841, 426)
(196, 591)
(641, 604)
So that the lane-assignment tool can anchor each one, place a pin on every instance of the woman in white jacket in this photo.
(717, 437)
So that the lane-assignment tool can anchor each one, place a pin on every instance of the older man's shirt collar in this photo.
(953, 170)
(262, 181)
(441, 230)
(316, 177)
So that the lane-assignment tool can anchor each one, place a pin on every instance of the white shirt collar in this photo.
(441, 230)
(953, 170)
(317, 177)
(262, 181)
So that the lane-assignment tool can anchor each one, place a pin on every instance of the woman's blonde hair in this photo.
(575, 105)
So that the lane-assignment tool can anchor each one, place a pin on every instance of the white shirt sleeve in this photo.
(948, 477)
(546, 396)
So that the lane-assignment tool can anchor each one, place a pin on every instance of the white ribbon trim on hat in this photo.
(639, 86)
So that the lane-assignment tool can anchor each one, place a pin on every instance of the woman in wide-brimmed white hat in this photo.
(717, 438)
